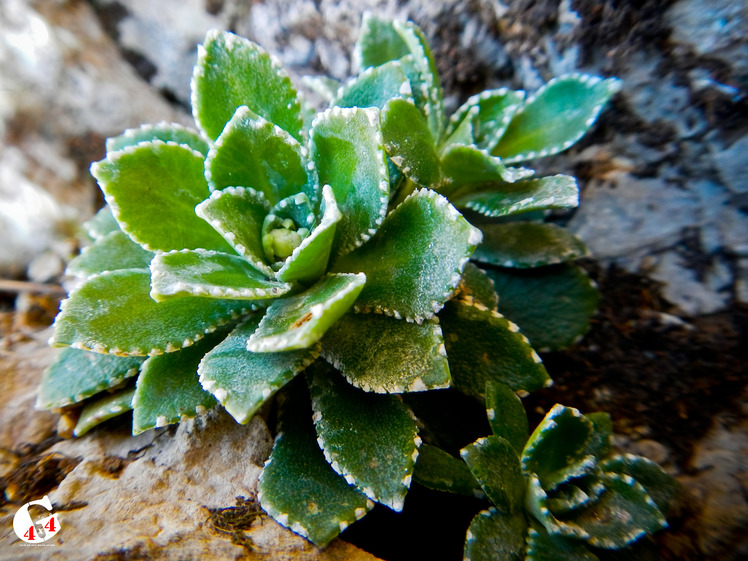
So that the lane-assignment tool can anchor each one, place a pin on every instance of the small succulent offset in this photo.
(272, 241)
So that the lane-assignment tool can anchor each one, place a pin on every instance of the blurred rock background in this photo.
(664, 172)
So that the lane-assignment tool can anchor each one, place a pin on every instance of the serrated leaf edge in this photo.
(132, 132)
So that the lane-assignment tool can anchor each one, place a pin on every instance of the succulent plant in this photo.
(271, 241)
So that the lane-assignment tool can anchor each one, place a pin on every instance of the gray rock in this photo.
(732, 165)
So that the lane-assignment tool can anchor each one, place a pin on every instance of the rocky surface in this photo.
(665, 193)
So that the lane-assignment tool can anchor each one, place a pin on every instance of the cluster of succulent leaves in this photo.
(559, 494)
(271, 241)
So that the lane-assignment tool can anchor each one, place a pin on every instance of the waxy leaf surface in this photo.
(103, 409)
(166, 132)
(101, 223)
(378, 43)
(476, 286)
(439, 470)
(659, 485)
(111, 252)
(495, 109)
(495, 464)
(506, 415)
(542, 546)
(496, 536)
(374, 87)
(468, 165)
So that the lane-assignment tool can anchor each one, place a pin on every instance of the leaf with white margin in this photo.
(166, 132)
(374, 87)
(495, 536)
(109, 253)
(237, 213)
(527, 245)
(232, 71)
(346, 145)
(552, 305)
(470, 166)
(168, 390)
(414, 263)
(410, 143)
(477, 286)
(101, 223)
(77, 375)
(555, 192)
(556, 443)
(103, 409)
(601, 441)
(441, 471)
(300, 321)
(482, 346)
(538, 505)
(113, 313)
(489, 113)
(210, 274)
(495, 464)
(506, 415)
(308, 262)
(371, 440)
(660, 486)
(298, 488)
(378, 43)
(555, 117)
(242, 380)
(400, 356)
(253, 152)
(542, 546)
(156, 179)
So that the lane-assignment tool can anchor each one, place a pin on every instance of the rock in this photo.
(733, 166)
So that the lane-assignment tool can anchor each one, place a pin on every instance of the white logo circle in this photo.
(31, 531)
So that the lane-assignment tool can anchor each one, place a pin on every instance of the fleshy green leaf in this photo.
(570, 498)
(495, 464)
(400, 356)
(660, 486)
(489, 113)
(308, 261)
(253, 152)
(439, 470)
(378, 43)
(103, 409)
(209, 274)
(484, 346)
(495, 536)
(600, 442)
(506, 415)
(113, 313)
(298, 488)
(300, 321)
(348, 154)
(542, 546)
(168, 389)
(109, 253)
(410, 143)
(232, 71)
(555, 117)
(558, 442)
(576, 469)
(538, 505)
(101, 223)
(528, 244)
(476, 286)
(552, 305)
(374, 87)
(372, 440)
(414, 263)
(242, 380)
(77, 375)
(166, 132)
(544, 193)
(163, 180)
(237, 213)
(470, 166)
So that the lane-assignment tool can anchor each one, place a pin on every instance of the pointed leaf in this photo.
(308, 262)
(555, 117)
(300, 321)
(232, 71)
(242, 380)
(378, 43)
(209, 274)
(484, 346)
(495, 536)
(470, 166)
(158, 179)
(528, 244)
(168, 390)
(399, 356)
(660, 486)
(506, 415)
(414, 263)
(77, 375)
(113, 313)
(545, 193)
(495, 465)
(166, 132)
(410, 143)
(101, 223)
(489, 113)
(348, 154)
(439, 470)
(558, 442)
(374, 87)
(552, 305)
(109, 253)
(371, 440)
(476, 286)
(237, 213)
(542, 546)
(104, 409)
(298, 488)
(253, 152)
